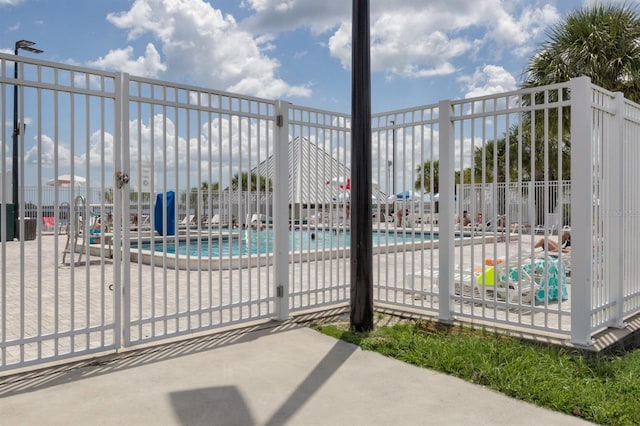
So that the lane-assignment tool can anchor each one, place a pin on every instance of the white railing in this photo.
(604, 171)
(261, 207)
(630, 213)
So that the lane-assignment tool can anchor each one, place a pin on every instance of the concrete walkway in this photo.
(274, 374)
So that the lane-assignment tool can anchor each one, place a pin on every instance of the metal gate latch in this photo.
(121, 179)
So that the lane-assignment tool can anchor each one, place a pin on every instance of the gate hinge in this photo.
(121, 179)
(280, 291)
(280, 120)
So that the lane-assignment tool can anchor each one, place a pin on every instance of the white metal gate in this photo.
(207, 264)
(98, 146)
(57, 300)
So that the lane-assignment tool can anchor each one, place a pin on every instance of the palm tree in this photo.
(600, 41)
(520, 157)
(207, 189)
(213, 186)
(251, 182)
(423, 180)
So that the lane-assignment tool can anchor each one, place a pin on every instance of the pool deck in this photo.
(268, 373)
(47, 285)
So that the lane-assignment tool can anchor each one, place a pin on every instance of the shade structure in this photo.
(67, 180)
(316, 177)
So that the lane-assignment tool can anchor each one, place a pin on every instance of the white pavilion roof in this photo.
(315, 177)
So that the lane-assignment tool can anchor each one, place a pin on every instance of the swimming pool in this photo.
(227, 243)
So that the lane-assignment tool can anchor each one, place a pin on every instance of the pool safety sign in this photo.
(145, 177)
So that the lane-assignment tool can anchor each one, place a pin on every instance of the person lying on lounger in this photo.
(564, 244)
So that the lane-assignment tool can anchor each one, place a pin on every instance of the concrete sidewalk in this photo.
(274, 374)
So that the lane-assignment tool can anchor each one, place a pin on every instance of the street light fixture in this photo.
(24, 45)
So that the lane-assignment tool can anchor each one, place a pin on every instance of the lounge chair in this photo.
(488, 225)
(188, 219)
(527, 279)
(508, 280)
(464, 283)
(550, 226)
(522, 279)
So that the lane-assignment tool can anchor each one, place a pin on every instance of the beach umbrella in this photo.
(67, 180)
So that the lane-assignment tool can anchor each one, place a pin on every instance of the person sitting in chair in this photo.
(466, 219)
(95, 231)
(109, 224)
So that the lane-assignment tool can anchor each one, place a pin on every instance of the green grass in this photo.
(601, 389)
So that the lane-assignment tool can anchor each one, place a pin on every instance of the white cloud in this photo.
(491, 79)
(509, 30)
(10, 2)
(210, 153)
(199, 43)
(190, 40)
(46, 157)
(414, 38)
(149, 65)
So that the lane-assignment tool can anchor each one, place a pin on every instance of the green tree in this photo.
(539, 160)
(425, 178)
(108, 196)
(213, 186)
(600, 41)
(514, 159)
(251, 182)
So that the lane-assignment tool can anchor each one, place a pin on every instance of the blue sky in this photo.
(296, 50)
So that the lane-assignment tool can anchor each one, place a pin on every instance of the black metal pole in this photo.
(15, 158)
(26, 45)
(361, 221)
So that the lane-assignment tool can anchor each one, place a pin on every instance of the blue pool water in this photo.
(249, 241)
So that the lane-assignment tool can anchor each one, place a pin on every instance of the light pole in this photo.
(393, 155)
(389, 165)
(24, 45)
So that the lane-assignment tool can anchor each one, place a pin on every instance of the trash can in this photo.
(7, 218)
(30, 228)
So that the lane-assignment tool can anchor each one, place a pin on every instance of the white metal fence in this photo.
(482, 148)
(606, 193)
(227, 209)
